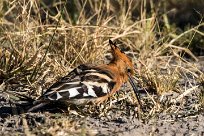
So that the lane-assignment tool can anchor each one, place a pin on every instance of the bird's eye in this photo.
(129, 70)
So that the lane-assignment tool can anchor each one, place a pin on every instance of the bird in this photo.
(90, 83)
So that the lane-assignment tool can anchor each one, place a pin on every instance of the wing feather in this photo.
(83, 82)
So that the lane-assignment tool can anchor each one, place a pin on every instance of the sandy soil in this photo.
(186, 120)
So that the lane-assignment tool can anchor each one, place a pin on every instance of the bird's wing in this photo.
(83, 82)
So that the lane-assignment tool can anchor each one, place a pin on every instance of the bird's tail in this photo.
(37, 106)
(18, 103)
(28, 104)
(25, 103)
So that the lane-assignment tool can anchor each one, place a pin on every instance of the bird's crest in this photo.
(115, 50)
(121, 58)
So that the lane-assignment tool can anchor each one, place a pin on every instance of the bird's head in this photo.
(123, 62)
(125, 67)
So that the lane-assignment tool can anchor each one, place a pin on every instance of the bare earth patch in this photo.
(119, 119)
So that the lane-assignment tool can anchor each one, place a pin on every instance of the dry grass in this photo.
(38, 47)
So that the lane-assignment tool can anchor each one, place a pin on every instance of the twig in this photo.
(184, 94)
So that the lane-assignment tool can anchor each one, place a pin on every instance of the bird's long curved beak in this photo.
(134, 86)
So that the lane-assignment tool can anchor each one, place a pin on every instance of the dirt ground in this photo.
(117, 120)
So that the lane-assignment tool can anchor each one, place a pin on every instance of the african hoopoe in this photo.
(88, 83)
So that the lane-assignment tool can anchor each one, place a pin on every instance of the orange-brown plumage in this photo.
(91, 83)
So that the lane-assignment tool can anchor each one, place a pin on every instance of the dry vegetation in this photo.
(40, 42)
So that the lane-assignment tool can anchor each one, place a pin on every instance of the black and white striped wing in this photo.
(83, 82)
